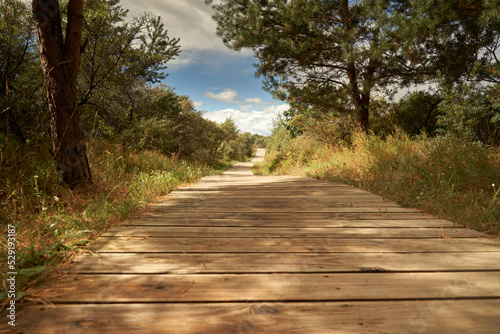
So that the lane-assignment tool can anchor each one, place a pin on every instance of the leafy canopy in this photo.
(334, 54)
(322, 52)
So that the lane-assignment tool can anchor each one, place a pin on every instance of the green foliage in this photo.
(473, 113)
(460, 37)
(278, 140)
(233, 144)
(242, 146)
(309, 58)
(120, 59)
(417, 113)
(225, 134)
(120, 51)
(20, 72)
(169, 123)
(286, 154)
(328, 127)
(260, 140)
(334, 55)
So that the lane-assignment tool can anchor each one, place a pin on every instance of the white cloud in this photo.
(197, 104)
(182, 60)
(227, 95)
(191, 21)
(255, 121)
(255, 100)
(246, 107)
(231, 96)
(277, 109)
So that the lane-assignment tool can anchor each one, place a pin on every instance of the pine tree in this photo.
(326, 53)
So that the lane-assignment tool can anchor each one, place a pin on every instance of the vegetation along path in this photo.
(240, 253)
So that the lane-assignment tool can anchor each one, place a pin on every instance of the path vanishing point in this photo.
(239, 253)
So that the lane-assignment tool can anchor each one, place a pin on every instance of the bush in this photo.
(417, 113)
(472, 113)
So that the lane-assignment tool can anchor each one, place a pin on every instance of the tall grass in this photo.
(52, 222)
(446, 176)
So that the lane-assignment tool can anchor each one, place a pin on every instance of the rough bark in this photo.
(363, 112)
(361, 100)
(60, 59)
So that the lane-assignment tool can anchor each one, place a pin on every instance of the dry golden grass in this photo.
(448, 177)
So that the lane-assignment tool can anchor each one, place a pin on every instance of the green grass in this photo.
(53, 222)
(448, 177)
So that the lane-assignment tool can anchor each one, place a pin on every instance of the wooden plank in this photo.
(272, 181)
(285, 232)
(259, 179)
(290, 245)
(290, 215)
(252, 181)
(277, 183)
(206, 203)
(391, 317)
(267, 179)
(166, 221)
(319, 202)
(238, 190)
(262, 197)
(270, 192)
(236, 208)
(161, 263)
(273, 287)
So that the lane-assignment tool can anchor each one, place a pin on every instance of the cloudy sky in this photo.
(218, 80)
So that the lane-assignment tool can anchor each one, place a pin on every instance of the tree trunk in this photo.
(362, 107)
(60, 59)
(363, 111)
(361, 101)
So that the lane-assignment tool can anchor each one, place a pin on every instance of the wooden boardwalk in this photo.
(240, 253)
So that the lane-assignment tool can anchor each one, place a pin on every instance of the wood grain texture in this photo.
(239, 253)
(159, 221)
(127, 288)
(392, 317)
(287, 232)
(174, 263)
(290, 245)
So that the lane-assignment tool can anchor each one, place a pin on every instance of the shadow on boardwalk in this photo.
(239, 253)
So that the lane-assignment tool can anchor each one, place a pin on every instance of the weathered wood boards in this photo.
(213, 263)
(290, 245)
(287, 232)
(127, 288)
(239, 253)
(391, 317)
(157, 220)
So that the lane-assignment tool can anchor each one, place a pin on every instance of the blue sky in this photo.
(218, 80)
